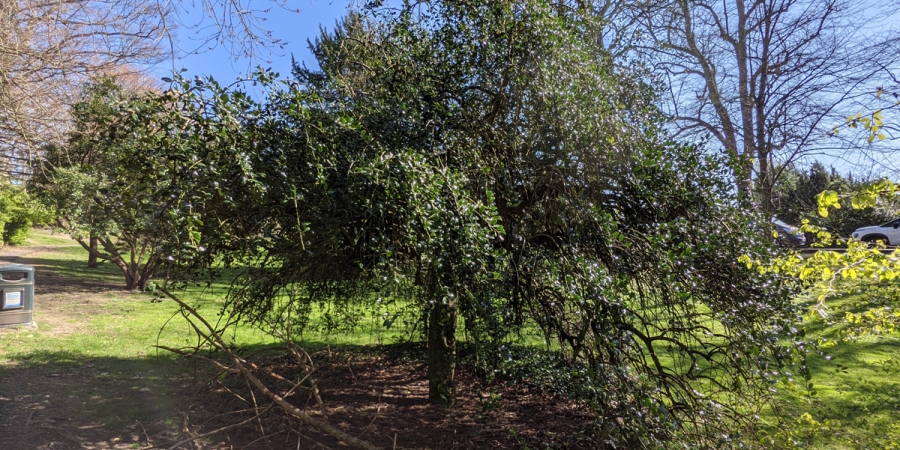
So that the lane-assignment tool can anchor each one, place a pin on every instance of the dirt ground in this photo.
(144, 403)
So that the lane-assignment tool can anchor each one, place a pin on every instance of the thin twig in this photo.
(262, 429)
(317, 443)
(149, 441)
(349, 367)
(219, 430)
(187, 430)
(266, 437)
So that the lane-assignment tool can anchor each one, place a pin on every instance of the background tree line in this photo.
(796, 199)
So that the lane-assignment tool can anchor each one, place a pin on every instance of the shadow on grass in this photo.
(66, 400)
(857, 395)
(56, 276)
(77, 269)
(61, 400)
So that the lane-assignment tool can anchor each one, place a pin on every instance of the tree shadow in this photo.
(62, 400)
(57, 276)
(384, 400)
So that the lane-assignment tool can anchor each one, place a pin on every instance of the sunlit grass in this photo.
(854, 399)
(47, 236)
(111, 323)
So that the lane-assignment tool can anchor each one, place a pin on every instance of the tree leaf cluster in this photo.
(98, 189)
(18, 212)
(863, 268)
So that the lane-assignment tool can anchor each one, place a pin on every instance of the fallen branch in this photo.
(296, 412)
(245, 368)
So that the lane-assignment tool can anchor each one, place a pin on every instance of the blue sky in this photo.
(293, 27)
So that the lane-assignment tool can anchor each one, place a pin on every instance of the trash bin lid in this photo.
(16, 272)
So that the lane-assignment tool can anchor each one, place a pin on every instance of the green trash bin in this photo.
(16, 295)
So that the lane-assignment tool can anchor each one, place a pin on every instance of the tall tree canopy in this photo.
(489, 162)
(99, 191)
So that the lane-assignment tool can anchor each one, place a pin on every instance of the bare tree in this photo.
(870, 132)
(50, 48)
(234, 24)
(764, 78)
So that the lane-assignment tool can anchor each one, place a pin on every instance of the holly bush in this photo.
(488, 162)
(18, 213)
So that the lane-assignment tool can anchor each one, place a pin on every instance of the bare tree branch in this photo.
(213, 337)
(766, 77)
(50, 48)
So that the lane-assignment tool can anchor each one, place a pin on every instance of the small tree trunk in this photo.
(92, 253)
(135, 280)
(130, 280)
(442, 353)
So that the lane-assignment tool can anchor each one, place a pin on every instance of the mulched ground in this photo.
(385, 402)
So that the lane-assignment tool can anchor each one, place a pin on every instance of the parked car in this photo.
(788, 235)
(888, 233)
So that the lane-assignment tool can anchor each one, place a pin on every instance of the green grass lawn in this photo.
(116, 323)
(854, 400)
(108, 323)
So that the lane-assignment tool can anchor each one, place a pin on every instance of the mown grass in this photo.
(110, 323)
(116, 323)
(852, 400)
